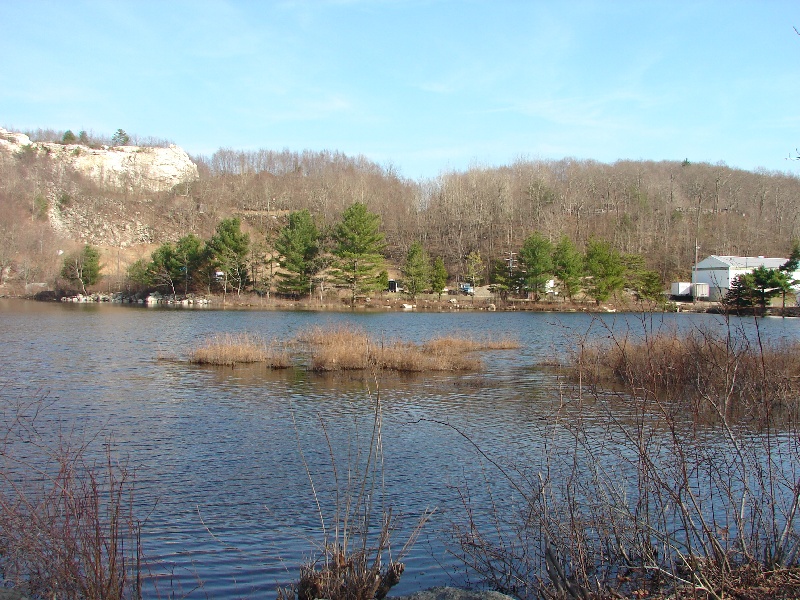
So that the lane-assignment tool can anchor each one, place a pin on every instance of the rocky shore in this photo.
(122, 298)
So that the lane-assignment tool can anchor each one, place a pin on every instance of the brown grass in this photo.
(737, 377)
(347, 348)
(338, 576)
(452, 344)
(672, 482)
(232, 349)
(341, 348)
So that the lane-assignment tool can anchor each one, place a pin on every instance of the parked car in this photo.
(466, 288)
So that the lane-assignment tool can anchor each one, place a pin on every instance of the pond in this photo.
(225, 458)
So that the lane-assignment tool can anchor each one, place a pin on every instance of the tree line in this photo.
(660, 211)
(302, 258)
(299, 259)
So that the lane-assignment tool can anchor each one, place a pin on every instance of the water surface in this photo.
(220, 454)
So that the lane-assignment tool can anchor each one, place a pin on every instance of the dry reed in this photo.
(758, 379)
(342, 348)
(232, 349)
(452, 344)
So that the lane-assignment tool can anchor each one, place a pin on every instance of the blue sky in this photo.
(424, 86)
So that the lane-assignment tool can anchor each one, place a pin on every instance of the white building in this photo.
(719, 271)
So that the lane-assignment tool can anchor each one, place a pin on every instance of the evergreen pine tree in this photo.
(536, 260)
(438, 276)
(416, 271)
(604, 268)
(82, 267)
(358, 247)
(298, 247)
(568, 266)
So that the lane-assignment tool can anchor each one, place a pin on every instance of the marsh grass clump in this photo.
(232, 349)
(453, 344)
(347, 348)
(703, 370)
(337, 576)
(342, 348)
(337, 348)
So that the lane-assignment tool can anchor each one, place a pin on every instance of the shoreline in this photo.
(388, 301)
(381, 303)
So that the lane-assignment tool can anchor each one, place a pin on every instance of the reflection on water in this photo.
(216, 450)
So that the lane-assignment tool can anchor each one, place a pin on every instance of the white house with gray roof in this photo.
(719, 271)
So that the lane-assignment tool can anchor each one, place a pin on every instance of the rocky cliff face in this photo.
(120, 196)
(123, 167)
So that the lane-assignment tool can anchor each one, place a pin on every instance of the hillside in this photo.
(55, 197)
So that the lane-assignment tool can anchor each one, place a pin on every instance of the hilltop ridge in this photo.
(127, 199)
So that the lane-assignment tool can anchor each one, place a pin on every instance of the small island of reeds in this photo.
(341, 348)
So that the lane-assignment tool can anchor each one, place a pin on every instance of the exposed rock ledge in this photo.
(129, 167)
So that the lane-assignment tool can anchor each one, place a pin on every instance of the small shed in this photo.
(719, 271)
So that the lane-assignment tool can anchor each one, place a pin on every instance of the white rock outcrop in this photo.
(151, 169)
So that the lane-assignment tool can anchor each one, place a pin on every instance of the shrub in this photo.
(67, 527)
(702, 371)
(356, 559)
(669, 470)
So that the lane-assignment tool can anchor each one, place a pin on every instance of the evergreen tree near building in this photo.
(740, 294)
(793, 264)
(757, 288)
(604, 270)
(504, 279)
(358, 247)
(646, 283)
(790, 267)
(474, 264)
(568, 266)
(227, 252)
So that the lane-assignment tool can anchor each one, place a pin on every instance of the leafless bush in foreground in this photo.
(355, 560)
(639, 494)
(67, 529)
